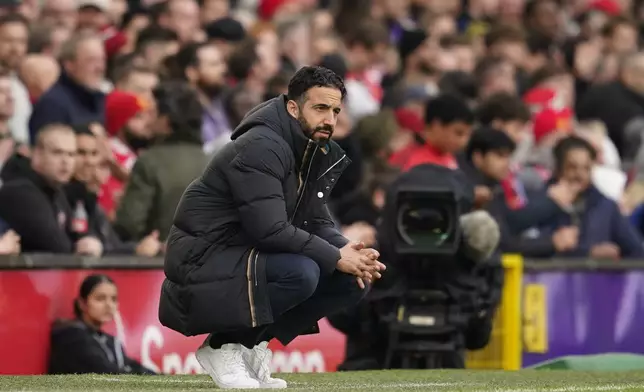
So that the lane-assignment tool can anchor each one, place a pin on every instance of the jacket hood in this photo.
(273, 115)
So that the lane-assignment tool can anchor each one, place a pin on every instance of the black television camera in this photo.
(427, 233)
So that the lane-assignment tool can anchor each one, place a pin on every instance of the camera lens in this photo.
(424, 225)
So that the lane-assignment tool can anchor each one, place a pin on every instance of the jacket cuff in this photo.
(324, 254)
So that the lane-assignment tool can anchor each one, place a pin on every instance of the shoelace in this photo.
(264, 357)
(235, 362)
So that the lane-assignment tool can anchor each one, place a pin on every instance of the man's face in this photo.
(465, 58)
(577, 167)
(453, 137)
(55, 158)
(319, 113)
(211, 71)
(88, 68)
(546, 18)
(502, 79)
(624, 40)
(141, 84)
(92, 18)
(60, 13)
(156, 52)
(13, 44)
(269, 62)
(6, 99)
(88, 158)
(512, 51)
(494, 164)
(184, 19)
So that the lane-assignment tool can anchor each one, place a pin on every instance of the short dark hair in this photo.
(155, 34)
(127, 70)
(83, 129)
(313, 76)
(565, 145)
(188, 56)
(14, 18)
(546, 72)
(504, 33)
(486, 139)
(540, 44)
(504, 107)
(179, 102)
(448, 109)
(613, 23)
(243, 58)
(459, 83)
(486, 65)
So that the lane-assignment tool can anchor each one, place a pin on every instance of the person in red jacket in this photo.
(448, 126)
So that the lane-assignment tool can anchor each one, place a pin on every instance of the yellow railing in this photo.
(504, 349)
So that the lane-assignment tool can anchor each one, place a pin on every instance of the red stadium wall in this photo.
(31, 300)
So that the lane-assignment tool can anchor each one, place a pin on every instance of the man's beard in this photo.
(136, 142)
(211, 90)
(310, 131)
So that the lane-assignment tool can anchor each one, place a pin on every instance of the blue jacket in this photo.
(66, 102)
(600, 220)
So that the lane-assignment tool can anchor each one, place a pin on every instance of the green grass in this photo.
(395, 380)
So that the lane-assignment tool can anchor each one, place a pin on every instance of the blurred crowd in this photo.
(110, 108)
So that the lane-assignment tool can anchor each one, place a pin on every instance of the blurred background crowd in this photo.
(110, 108)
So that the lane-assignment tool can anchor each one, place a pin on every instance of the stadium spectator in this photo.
(82, 194)
(14, 35)
(129, 132)
(44, 220)
(202, 66)
(155, 44)
(182, 17)
(164, 171)
(38, 73)
(448, 125)
(598, 228)
(137, 80)
(76, 97)
(80, 346)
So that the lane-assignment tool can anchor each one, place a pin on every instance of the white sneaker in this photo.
(226, 366)
(258, 361)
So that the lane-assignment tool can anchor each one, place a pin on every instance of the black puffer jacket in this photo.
(245, 205)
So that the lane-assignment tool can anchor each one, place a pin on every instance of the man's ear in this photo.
(191, 74)
(292, 108)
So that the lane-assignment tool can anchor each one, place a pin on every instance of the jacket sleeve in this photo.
(539, 247)
(625, 235)
(324, 227)
(25, 211)
(538, 211)
(134, 209)
(255, 177)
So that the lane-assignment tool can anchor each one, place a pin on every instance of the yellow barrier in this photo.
(504, 349)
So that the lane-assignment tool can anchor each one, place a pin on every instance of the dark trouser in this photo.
(299, 297)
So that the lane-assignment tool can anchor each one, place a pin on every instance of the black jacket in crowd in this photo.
(98, 224)
(36, 210)
(264, 192)
(77, 348)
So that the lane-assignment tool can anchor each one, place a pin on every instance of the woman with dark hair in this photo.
(79, 345)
